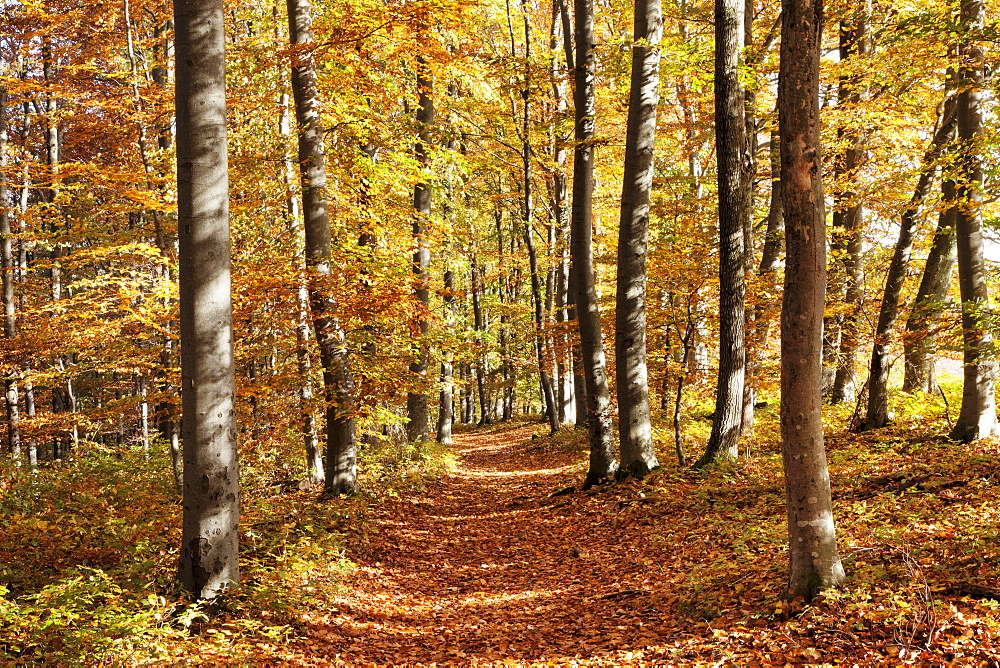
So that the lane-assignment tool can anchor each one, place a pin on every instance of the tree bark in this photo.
(341, 434)
(7, 265)
(812, 544)
(417, 410)
(209, 543)
(977, 418)
(446, 410)
(734, 202)
(877, 414)
(602, 446)
(638, 455)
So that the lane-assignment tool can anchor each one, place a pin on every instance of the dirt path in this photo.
(487, 567)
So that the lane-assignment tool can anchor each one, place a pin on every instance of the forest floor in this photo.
(493, 565)
(488, 554)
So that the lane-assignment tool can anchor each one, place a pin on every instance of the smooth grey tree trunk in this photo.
(341, 433)
(7, 266)
(734, 202)
(527, 205)
(209, 536)
(638, 455)
(848, 214)
(877, 413)
(814, 562)
(417, 408)
(977, 418)
(479, 326)
(446, 410)
(603, 463)
(920, 340)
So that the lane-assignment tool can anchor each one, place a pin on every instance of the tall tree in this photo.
(977, 418)
(7, 264)
(341, 440)
(848, 212)
(602, 446)
(918, 346)
(638, 455)
(812, 542)
(209, 536)
(417, 409)
(734, 204)
(877, 414)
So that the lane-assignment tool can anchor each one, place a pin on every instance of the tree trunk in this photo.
(446, 411)
(341, 439)
(479, 327)
(919, 342)
(417, 410)
(734, 202)
(602, 444)
(812, 543)
(209, 543)
(7, 266)
(848, 215)
(638, 456)
(977, 418)
(877, 414)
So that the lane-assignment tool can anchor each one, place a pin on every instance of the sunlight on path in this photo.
(488, 567)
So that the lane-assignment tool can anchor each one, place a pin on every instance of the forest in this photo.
(425, 332)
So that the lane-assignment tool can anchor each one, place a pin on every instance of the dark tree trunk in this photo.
(341, 439)
(638, 456)
(734, 202)
(602, 443)
(919, 342)
(977, 418)
(877, 414)
(209, 542)
(417, 409)
(812, 543)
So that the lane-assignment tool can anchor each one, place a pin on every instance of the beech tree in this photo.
(209, 539)
(603, 462)
(814, 562)
(341, 441)
(417, 410)
(877, 414)
(977, 418)
(638, 456)
(734, 203)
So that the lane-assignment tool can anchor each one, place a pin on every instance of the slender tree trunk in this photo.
(812, 542)
(341, 437)
(446, 412)
(734, 202)
(638, 455)
(416, 402)
(478, 325)
(919, 342)
(877, 414)
(848, 214)
(209, 542)
(7, 266)
(977, 418)
(315, 471)
(602, 446)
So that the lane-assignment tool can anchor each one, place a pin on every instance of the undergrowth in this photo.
(88, 547)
